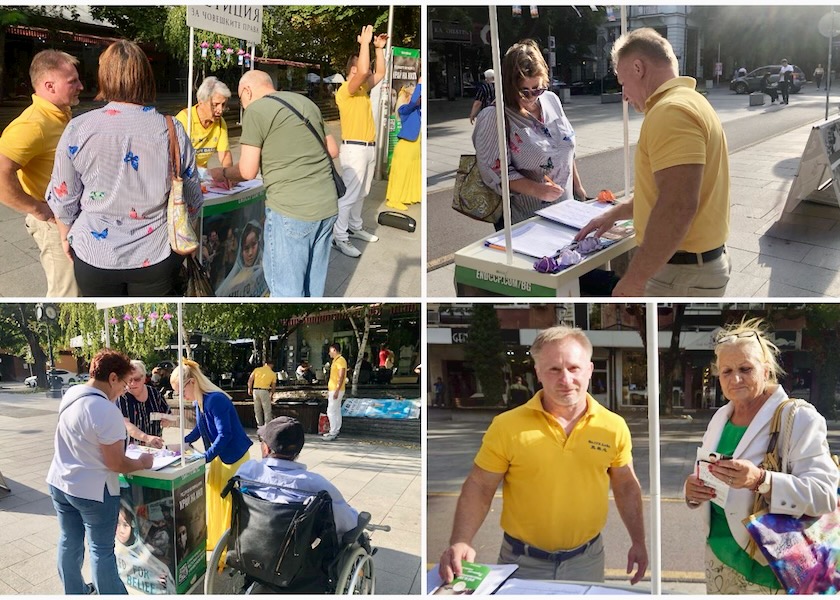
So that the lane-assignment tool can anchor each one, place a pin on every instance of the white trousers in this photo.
(334, 410)
(357, 166)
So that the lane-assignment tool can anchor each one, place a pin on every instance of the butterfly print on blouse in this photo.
(133, 160)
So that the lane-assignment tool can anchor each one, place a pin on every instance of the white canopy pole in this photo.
(181, 381)
(652, 334)
(500, 130)
(189, 85)
(382, 130)
(626, 118)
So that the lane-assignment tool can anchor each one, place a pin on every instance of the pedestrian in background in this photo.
(335, 391)
(485, 94)
(261, 385)
(27, 153)
(819, 72)
(769, 89)
(785, 80)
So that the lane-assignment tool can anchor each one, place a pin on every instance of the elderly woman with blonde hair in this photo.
(209, 131)
(739, 432)
(225, 442)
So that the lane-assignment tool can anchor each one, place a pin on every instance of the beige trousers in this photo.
(61, 280)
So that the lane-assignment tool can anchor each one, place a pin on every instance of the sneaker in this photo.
(363, 235)
(346, 248)
(330, 438)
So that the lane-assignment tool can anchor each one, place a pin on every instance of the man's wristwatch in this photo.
(764, 482)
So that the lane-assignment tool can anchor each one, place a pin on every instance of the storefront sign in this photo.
(449, 32)
(460, 337)
(240, 22)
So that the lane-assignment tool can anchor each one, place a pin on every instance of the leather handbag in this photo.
(801, 551)
(182, 237)
(340, 188)
(471, 196)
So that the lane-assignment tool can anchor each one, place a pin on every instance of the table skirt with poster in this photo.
(162, 530)
(232, 241)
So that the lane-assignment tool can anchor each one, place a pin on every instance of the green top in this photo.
(295, 168)
(724, 546)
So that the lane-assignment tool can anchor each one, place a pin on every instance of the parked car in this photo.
(751, 82)
(66, 377)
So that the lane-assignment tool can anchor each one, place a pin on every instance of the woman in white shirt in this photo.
(84, 474)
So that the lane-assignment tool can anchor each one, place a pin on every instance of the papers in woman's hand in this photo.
(704, 460)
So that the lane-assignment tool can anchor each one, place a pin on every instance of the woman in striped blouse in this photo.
(110, 184)
(541, 141)
(142, 406)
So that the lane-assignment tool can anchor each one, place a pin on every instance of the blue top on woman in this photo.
(220, 429)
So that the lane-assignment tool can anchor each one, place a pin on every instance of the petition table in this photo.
(161, 529)
(228, 218)
(483, 270)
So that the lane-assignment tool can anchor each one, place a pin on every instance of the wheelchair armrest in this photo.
(352, 535)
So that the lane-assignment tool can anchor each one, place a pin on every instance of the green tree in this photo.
(486, 352)
(136, 329)
(249, 320)
(21, 333)
(822, 331)
(360, 319)
(136, 23)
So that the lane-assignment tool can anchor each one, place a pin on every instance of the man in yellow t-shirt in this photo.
(358, 145)
(557, 457)
(680, 206)
(209, 131)
(261, 386)
(27, 152)
(335, 390)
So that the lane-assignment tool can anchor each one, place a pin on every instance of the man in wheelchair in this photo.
(291, 529)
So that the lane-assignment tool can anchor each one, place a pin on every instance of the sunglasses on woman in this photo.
(727, 338)
(529, 93)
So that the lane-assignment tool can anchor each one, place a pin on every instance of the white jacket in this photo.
(811, 486)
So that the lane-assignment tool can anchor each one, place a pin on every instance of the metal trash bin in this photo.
(54, 383)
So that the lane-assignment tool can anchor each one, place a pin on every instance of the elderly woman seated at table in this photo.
(209, 132)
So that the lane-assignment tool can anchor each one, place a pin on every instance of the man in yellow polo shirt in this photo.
(680, 205)
(556, 456)
(27, 153)
(358, 146)
(261, 386)
(335, 390)
(209, 132)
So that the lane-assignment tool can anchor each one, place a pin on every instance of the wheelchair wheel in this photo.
(356, 576)
(225, 580)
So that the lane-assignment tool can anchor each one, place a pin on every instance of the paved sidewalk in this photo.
(382, 479)
(390, 267)
(773, 254)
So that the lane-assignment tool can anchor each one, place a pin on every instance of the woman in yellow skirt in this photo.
(225, 442)
(406, 165)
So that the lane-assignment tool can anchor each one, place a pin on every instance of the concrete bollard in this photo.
(757, 99)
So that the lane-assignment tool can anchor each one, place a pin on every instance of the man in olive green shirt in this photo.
(300, 193)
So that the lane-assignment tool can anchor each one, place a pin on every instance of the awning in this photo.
(284, 62)
(71, 36)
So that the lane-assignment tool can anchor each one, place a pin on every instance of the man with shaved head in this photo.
(300, 192)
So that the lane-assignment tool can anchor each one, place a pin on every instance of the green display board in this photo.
(403, 79)
(162, 530)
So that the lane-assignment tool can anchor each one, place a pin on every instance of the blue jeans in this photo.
(77, 516)
(296, 255)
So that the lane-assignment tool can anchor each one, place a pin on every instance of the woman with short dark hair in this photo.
(111, 181)
(84, 474)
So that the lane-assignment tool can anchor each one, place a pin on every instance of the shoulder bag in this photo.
(802, 551)
(471, 197)
(182, 237)
(340, 188)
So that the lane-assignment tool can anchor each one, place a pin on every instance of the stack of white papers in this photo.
(573, 213)
(537, 239)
